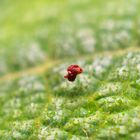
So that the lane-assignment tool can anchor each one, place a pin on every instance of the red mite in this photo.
(73, 71)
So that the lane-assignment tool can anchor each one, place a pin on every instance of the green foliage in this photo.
(93, 107)
(103, 103)
(33, 31)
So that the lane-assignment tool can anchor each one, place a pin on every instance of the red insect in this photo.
(73, 71)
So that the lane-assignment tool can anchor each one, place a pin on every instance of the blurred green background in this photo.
(32, 31)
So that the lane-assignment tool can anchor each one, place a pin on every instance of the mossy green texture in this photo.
(95, 106)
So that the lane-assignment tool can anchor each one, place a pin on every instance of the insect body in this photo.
(73, 71)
